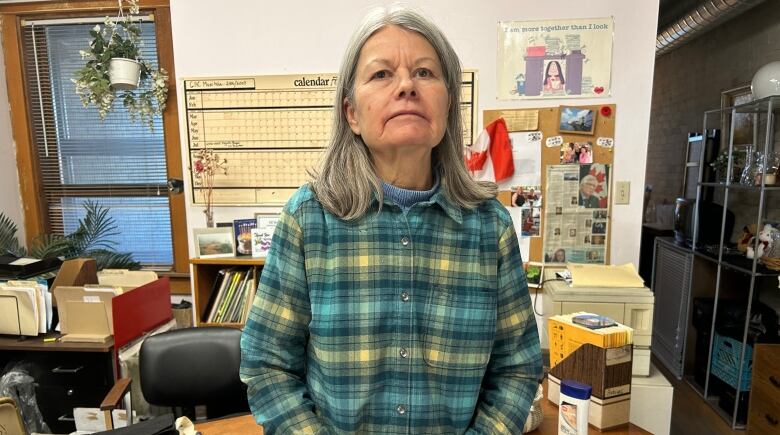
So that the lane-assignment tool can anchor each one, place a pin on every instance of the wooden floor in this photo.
(691, 414)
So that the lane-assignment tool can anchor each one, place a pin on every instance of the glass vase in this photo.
(768, 167)
(751, 166)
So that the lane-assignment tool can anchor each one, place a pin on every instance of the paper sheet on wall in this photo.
(527, 157)
(525, 242)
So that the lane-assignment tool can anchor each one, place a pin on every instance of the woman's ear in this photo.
(349, 111)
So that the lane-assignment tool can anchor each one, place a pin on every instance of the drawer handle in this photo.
(60, 369)
(66, 417)
(774, 381)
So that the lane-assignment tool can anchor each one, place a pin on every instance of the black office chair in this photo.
(189, 367)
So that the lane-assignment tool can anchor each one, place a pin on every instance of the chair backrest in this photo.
(194, 366)
(10, 418)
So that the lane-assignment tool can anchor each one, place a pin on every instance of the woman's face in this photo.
(400, 97)
(560, 256)
(553, 70)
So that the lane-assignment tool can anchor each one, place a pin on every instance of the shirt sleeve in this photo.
(515, 367)
(273, 344)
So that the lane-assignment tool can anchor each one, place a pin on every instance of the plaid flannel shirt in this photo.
(394, 323)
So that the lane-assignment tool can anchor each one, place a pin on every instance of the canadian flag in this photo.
(490, 157)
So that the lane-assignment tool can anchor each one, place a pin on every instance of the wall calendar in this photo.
(272, 130)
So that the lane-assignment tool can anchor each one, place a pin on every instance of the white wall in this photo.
(10, 197)
(247, 37)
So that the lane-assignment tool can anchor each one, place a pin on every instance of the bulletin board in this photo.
(272, 131)
(602, 139)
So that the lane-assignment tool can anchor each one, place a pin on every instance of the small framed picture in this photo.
(242, 231)
(577, 120)
(263, 233)
(533, 274)
(214, 242)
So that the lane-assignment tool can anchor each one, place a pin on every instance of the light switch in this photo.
(622, 192)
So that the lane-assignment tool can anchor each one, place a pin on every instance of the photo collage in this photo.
(529, 200)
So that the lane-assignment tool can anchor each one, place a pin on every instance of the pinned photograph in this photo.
(214, 242)
(597, 239)
(577, 120)
(555, 256)
(532, 219)
(577, 153)
(599, 228)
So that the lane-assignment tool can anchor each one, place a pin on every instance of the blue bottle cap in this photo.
(575, 389)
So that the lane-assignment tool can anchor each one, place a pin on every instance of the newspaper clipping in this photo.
(576, 205)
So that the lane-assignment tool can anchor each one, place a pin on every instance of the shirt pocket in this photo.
(458, 328)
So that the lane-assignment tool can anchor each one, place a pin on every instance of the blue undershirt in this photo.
(406, 198)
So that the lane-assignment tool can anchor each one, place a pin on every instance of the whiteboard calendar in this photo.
(271, 130)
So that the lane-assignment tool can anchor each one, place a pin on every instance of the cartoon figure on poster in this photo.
(594, 186)
(553, 78)
(554, 58)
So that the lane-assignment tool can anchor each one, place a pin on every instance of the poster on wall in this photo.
(567, 58)
(576, 213)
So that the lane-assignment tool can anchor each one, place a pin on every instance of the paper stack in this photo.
(25, 308)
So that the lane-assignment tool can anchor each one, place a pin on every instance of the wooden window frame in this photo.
(35, 216)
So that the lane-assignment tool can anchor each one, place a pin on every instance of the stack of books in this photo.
(231, 296)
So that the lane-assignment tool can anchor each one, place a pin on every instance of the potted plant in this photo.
(115, 69)
(205, 165)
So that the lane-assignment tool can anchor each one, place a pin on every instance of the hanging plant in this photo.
(115, 69)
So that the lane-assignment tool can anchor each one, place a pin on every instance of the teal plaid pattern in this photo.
(395, 323)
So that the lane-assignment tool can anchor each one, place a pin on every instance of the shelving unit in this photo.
(205, 271)
(733, 280)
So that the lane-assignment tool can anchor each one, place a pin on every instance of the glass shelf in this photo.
(759, 106)
(739, 186)
(736, 262)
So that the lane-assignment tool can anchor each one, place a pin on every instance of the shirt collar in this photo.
(452, 210)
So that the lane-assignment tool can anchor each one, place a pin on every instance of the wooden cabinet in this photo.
(764, 413)
(205, 272)
(67, 375)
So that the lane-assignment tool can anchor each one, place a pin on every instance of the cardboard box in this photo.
(76, 272)
(602, 413)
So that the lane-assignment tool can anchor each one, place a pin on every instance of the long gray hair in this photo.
(346, 182)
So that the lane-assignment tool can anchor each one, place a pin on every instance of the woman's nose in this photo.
(406, 86)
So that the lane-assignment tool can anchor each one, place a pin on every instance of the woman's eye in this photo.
(424, 72)
(380, 75)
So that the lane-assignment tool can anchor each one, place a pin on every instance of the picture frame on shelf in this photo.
(242, 232)
(743, 122)
(576, 120)
(214, 242)
(262, 234)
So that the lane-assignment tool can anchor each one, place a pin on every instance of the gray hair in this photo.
(590, 178)
(346, 181)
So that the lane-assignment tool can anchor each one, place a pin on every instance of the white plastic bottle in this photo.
(573, 408)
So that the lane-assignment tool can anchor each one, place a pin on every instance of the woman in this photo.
(559, 256)
(393, 298)
(553, 77)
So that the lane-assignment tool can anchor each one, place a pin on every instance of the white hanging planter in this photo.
(124, 73)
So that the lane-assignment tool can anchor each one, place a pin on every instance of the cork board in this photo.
(548, 121)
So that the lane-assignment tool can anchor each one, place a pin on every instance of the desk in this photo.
(66, 374)
(246, 424)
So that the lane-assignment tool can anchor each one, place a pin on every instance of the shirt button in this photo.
(404, 353)
(405, 296)
(404, 240)
(401, 409)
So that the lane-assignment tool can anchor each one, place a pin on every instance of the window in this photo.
(117, 163)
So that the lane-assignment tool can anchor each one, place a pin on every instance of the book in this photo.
(242, 232)
(215, 286)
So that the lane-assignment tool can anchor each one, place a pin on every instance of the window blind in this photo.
(117, 163)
